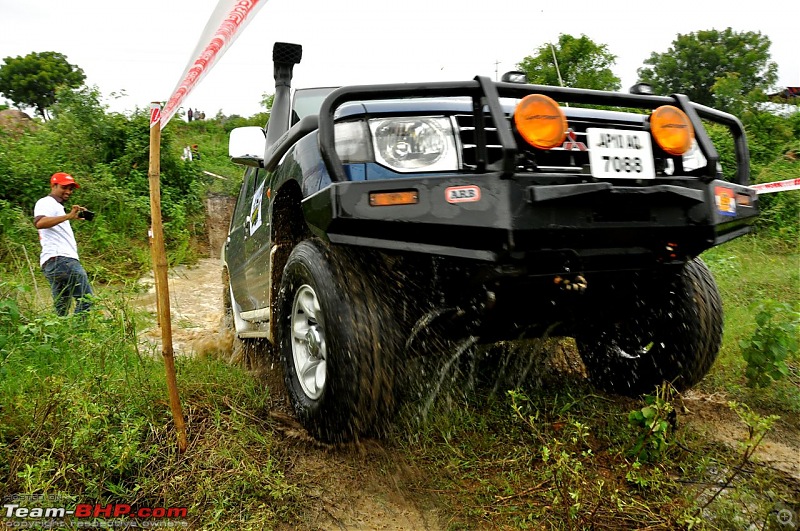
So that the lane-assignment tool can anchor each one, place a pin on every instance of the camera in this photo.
(88, 215)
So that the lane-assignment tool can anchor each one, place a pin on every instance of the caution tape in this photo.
(226, 22)
(777, 186)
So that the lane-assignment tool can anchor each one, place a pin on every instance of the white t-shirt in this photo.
(58, 240)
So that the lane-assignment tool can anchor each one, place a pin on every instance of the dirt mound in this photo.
(219, 209)
(15, 121)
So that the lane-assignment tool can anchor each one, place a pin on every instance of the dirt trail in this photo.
(362, 487)
(711, 416)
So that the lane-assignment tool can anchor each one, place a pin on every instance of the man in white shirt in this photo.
(59, 259)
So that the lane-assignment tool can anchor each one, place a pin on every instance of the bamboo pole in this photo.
(160, 272)
(155, 279)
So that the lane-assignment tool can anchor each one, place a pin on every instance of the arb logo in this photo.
(462, 194)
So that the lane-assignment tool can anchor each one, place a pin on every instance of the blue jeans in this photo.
(68, 280)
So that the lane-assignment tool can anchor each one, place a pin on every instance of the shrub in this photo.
(772, 345)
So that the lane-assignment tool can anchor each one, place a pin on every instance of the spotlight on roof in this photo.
(514, 77)
(642, 88)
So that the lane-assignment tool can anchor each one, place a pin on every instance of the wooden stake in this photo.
(155, 279)
(160, 273)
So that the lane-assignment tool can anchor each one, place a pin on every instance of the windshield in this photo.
(308, 101)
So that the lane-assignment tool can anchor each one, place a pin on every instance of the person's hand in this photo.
(73, 214)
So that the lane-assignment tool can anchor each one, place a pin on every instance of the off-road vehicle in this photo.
(381, 225)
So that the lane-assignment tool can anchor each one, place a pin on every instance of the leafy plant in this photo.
(653, 424)
(773, 343)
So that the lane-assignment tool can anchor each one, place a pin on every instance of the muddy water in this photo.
(195, 293)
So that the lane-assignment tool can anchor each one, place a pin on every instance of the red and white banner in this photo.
(155, 114)
(777, 186)
(229, 18)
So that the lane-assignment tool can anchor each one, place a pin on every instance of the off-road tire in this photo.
(332, 299)
(672, 335)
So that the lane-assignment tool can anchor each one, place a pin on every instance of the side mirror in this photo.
(246, 146)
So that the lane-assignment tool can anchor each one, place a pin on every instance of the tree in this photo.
(32, 80)
(581, 63)
(267, 100)
(696, 62)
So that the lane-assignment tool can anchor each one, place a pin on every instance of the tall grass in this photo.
(84, 415)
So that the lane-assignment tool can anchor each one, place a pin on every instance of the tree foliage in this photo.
(581, 62)
(34, 80)
(700, 64)
(267, 100)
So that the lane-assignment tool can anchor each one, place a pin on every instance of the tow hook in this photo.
(575, 283)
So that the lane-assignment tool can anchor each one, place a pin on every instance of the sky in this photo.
(135, 52)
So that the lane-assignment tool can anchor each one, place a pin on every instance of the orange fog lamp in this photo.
(404, 197)
(672, 129)
(540, 121)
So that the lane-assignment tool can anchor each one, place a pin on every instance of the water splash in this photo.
(461, 348)
(424, 322)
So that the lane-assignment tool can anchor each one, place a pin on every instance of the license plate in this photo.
(617, 154)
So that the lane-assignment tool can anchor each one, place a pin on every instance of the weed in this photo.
(653, 422)
(772, 345)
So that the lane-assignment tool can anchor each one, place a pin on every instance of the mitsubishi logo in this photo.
(572, 142)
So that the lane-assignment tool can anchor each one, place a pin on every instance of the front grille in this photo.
(469, 142)
(571, 158)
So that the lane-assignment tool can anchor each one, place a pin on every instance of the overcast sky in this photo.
(142, 47)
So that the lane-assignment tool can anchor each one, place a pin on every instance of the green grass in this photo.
(749, 271)
(211, 138)
(84, 414)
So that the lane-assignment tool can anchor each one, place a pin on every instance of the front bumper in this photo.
(545, 222)
(522, 219)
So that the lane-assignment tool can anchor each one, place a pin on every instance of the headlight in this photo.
(694, 158)
(352, 142)
(407, 144)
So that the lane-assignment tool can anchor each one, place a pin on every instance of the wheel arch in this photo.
(288, 228)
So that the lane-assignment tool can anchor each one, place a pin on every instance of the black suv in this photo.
(380, 225)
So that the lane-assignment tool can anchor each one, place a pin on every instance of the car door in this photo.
(257, 245)
(235, 254)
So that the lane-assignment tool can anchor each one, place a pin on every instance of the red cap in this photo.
(63, 179)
